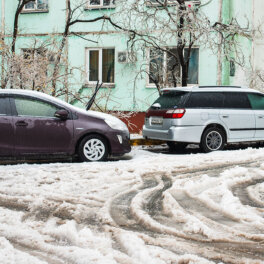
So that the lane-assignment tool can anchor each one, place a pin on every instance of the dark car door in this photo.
(6, 128)
(37, 131)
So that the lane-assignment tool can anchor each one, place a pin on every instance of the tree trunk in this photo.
(3, 40)
(185, 74)
(63, 42)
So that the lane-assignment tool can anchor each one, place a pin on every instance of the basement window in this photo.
(36, 5)
(95, 4)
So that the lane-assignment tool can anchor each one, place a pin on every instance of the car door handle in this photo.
(260, 116)
(21, 123)
(225, 116)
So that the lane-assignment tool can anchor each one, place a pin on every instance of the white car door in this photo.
(257, 103)
(238, 116)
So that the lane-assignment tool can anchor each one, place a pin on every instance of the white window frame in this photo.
(100, 65)
(165, 56)
(101, 5)
(35, 7)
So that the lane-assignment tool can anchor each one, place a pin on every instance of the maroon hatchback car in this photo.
(33, 124)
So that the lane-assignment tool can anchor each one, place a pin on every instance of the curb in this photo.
(145, 142)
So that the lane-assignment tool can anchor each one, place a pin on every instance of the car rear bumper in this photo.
(191, 134)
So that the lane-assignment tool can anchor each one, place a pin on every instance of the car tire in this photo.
(176, 146)
(93, 148)
(213, 139)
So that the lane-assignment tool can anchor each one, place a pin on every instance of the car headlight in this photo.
(116, 124)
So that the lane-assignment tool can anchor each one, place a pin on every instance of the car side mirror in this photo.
(62, 114)
(156, 106)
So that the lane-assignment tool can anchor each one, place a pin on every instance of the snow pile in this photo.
(147, 208)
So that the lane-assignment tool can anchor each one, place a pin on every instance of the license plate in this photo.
(156, 121)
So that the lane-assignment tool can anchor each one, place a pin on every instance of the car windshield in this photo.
(170, 99)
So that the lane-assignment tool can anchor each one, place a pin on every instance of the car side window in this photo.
(34, 107)
(205, 100)
(235, 100)
(257, 101)
(3, 107)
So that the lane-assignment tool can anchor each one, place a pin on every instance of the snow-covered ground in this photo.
(147, 208)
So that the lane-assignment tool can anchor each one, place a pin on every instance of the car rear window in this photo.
(205, 100)
(170, 99)
(236, 101)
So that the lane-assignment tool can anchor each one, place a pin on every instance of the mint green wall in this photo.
(242, 11)
(128, 94)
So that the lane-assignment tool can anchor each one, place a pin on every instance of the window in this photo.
(168, 2)
(205, 100)
(30, 54)
(165, 68)
(36, 5)
(101, 3)
(170, 99)
(236, 101)
(257, 101)
(34, 107)
(3, 110)
(101, 65)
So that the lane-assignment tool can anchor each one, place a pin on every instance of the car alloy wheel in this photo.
(93, 148)
(213, 139)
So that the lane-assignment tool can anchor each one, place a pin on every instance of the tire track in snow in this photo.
(230, 251)
(241, 192)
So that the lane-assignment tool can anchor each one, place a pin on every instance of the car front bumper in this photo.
(119, 148)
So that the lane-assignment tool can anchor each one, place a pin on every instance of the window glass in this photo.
(34, 107)
(37, 5)
(170, 99)
(173, 68)
(3, 110)
(205, 100)
(156, 66)
(42, 4)
(94, 2)
(108, 66)
(94, 65)
(30, 5)
(193, 65)
(236, 100)
(257, 101)
(159, 2)
(165, 68)
(108, 2)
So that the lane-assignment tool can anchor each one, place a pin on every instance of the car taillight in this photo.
(177, 113)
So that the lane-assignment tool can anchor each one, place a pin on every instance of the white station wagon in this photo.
(211, 116)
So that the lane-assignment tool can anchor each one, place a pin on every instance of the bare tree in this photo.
(170, 30)
(20, 6)
(74, 15)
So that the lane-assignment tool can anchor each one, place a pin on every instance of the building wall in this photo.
(258, 42)
(128, 93)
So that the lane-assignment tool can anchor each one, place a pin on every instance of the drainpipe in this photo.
(253, 63)
(3, 39)
(219, 53)
(3, 16)
(66, 80)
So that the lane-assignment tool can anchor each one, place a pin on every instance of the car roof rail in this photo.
(221, 86)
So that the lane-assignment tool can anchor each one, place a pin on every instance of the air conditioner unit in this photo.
(126, 57)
